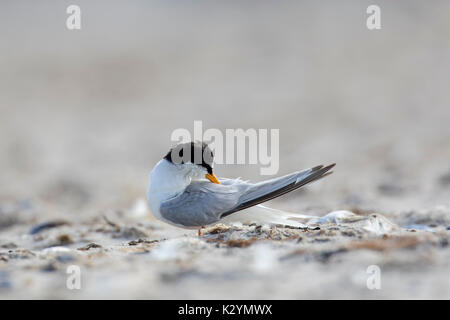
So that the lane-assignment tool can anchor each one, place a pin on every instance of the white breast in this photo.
(166, 181)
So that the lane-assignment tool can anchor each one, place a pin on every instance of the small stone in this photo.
(50, 267)
(9, 245)
(90, 246)
(65, 258)
(47, 225)
(64, 239)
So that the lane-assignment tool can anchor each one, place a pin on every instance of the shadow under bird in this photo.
(186, 193)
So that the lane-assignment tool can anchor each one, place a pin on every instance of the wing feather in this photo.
(204, 203)
(201, 204)
(270, 189)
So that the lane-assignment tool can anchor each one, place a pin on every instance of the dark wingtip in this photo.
(326, 170)
(321, 167)
(316, 173)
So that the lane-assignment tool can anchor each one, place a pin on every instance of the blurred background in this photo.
(85, 114)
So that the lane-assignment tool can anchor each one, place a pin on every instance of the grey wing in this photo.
(273, 188)
(201, 204)
(204, 203)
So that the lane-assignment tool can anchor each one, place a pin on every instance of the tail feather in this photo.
(265, 215)
(268, 190)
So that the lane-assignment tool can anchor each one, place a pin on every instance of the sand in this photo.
(84, 116)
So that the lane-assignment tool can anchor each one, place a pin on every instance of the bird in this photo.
(184, 191)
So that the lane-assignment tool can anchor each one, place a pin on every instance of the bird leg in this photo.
(200, 231)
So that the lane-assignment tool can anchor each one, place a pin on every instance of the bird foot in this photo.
(200, 231)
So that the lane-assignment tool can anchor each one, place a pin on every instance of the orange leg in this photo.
(200, 231)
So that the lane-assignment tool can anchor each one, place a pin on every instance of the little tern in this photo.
(184, 191)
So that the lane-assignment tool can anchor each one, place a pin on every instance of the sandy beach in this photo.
(85, 115)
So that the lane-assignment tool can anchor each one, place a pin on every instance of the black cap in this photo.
(194, 152)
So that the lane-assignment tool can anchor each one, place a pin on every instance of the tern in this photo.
(184, 191)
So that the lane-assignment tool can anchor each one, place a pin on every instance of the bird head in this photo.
(195, 158)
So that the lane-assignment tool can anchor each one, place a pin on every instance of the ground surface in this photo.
(84, 116)
(148, 260)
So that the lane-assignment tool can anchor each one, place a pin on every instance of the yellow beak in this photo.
(212, 177)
